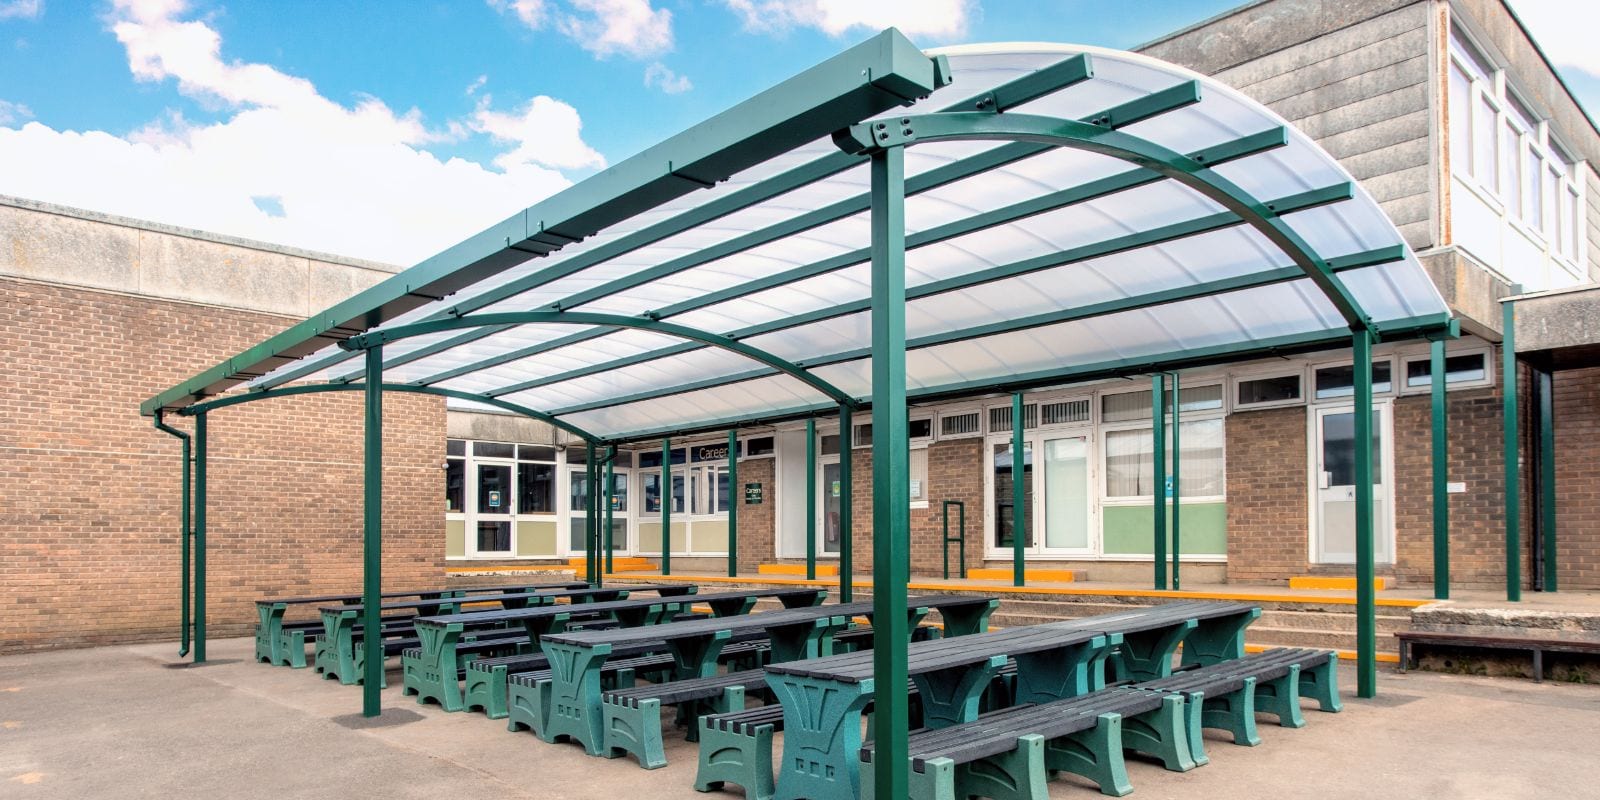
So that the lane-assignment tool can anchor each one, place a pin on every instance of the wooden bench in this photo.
(1536, 646)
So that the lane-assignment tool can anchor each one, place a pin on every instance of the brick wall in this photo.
(955, 472)
(756, 522)
(1577, 417)
(89, 490)
(1267, 500)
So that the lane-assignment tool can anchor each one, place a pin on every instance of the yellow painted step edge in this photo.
(1329, 582)
(1004, 574)
(830, 570)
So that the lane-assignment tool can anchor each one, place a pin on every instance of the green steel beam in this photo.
(735, 498)
(885, 72)
(1193, 358)
(811, 498)
(1219, 154)
(847, 565)
(1158, 490)
(1545, 477)
(1511, 451)
(1163, 297)
(372, 537)
(1067, 72)
(318, 388)
(200, 457)
(1366, 606)
(1019, 491)
(967, 126)
(666, 504)
(720, 341)
(183, 532)
(1177, 491)
(1441, 472)
(891, 492)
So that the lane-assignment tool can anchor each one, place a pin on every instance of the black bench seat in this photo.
(632, 717)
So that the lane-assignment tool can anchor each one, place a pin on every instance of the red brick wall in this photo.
(756, 522)
(1577, 422)
(955, 472)
(90, 491)
(1267, 499)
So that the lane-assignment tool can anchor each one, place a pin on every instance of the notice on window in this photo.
(494, 499)
(916, 488)
(835, 488)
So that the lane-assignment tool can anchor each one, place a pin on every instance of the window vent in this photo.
(1000, 418)
(1063, 413)
(965, 424)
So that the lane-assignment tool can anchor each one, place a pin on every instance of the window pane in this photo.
(578, 454)
(1339, 381)
(619, 493)
(536, 488)
(1511, 164)
(1066, 493)
(650, 485)
(1483, 144)
(760, 446)
(1200, 398)
(455, 485)
(1125, 406)
(494, 536)
(1460, 120)
(1552, 185)
(1201, 468)
(862, 437)
(722, 492)
(921, 429)
(494, 450)
(828, 444)
(1574, 225)
(494, 489)
(919, 474)
(650, 458)
(1533, 194)
(1129, 467)
(455, 447)
(578, 491)
(1004, 503)
(534, 452)
(1457, 369)
(1283, 388)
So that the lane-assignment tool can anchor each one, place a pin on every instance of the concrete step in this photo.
(1295, 637)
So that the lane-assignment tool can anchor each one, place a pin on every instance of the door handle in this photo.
(1324, 479)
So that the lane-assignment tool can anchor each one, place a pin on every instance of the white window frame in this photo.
(1395, 380)
(1484, 350)
(956, 411)
(1104, 429)
(1239, 405)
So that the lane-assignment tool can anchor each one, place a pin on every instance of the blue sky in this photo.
(389, 130)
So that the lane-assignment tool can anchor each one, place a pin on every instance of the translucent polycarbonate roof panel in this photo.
(1022, 259)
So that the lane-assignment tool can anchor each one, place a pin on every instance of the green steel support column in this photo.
(811, 498)
(372, 538)
(666, 506)
(1177, 491)
(1547, 474)
(1158, 499)
(891, 492)
(591, 515)
(847, 558)
(183, 533)
(1019, 490)
(1366, 606)
(200, 538)
(611, 502)
(734, 501)
(1508, 392)
(1441, 476)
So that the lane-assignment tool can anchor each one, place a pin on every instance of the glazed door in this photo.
(1333, 469)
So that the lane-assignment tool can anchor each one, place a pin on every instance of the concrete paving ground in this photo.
(117, 722)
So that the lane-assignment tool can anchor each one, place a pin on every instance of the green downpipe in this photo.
(847, 559)
(1366, 605)
(1508, 393)
(183, 535)
(891, 492)
(666, 506)
(811, 498)
(1441, 474)
(734, 501)
(1158, 492)
(1019, 491)
(372, 544)
(1177, 482)
(200, 441)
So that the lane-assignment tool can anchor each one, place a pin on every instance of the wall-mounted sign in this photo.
(710, 452)
(752, 494)
(494, 499)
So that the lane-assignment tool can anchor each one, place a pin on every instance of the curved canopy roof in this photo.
(744, 295)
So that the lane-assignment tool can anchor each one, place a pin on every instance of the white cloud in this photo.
(286, 164)
(657, 75)
(631, 28)
(14, 113)
(21, 9)
(940, 18)
(546, 132)
(477, 83)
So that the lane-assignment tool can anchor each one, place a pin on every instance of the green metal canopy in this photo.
(890, 226)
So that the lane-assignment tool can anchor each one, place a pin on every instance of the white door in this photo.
(495, 498)
(577, 507)
(830, 495)
(1333, 474)
(1056, 482)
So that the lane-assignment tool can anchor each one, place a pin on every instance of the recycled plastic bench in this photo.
(1535, 646)
(794, 634)
(432, 670)
(1209, 632)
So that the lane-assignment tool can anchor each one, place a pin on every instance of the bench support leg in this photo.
(574, 709)
(360, 665)
(1160, 733)
(268, 626)
(727, 756)
(1147, 655)
(1234, 713)
(821, 737)
(1219, 639)
(634, 729)
(1057, 673)
(526, 706)
(950, 697)
(434, 674)
(1017, 775)
(1281, 697)
(486, 689)
(1320, 682)
(292, 648)
(1095, 754)
(339, 639)
(964, 621)
(689, 713)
